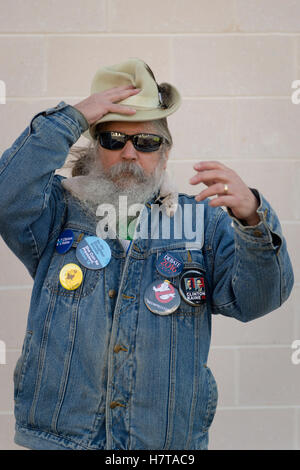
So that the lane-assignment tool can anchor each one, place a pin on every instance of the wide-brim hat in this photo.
(148, 103)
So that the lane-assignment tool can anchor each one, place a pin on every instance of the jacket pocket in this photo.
(20, 368)
(212, 400)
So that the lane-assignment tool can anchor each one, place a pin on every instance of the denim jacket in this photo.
(98, 369)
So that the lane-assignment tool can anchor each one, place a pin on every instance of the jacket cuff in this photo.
(71, 112)
(266, 230)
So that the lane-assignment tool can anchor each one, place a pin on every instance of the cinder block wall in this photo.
(234, 62)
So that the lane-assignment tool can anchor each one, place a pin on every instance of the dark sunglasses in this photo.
(113, 140)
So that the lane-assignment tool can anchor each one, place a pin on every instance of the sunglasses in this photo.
(113, 140)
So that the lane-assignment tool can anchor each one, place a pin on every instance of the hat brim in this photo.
(140, 115)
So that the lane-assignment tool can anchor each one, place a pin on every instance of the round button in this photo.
(169, 265)
(111, 293)
(161, 297)
(93, 253)
(70, 276)
(192, 287)
(65, 241)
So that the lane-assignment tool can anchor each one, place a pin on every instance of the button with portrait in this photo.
(192, 287)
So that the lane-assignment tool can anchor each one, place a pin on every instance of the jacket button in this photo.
(114, 404)
(257, 233)
(111, 293)
(119, 348)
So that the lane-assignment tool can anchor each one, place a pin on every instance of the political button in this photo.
(93, 252)
(70, 276)
(192, 287)
(162, 297)
(64, 241)
(169, 265)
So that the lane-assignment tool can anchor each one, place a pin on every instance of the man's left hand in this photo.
(239, 197)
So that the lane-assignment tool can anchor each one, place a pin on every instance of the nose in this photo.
(129, 152)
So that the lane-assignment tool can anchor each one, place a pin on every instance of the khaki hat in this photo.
(152, 102)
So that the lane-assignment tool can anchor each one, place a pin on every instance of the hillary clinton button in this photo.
(169, 265)
(70, 276)
(192, 287)
(64, 241)
(162, 297)
(93, 253)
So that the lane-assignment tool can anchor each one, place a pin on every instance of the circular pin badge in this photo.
(169, 265)
(65, 241)
(192, 287)
(162, 297)
(70, 276)
(93, 253)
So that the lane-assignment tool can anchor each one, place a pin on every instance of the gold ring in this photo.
(225, 188)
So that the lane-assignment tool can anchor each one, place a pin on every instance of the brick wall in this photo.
(234, 62)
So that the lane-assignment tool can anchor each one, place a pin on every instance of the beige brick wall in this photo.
(234, 62)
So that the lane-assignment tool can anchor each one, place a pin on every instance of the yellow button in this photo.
(111, 293)
(70, 276)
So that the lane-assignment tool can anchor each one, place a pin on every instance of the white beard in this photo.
(101, 187)
(105, 187)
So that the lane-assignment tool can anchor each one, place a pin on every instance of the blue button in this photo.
(64, 241)
(93, 253)
(169, 265)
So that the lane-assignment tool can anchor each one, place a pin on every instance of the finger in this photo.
(211, 191)
(208, 177)
(121, 109)
(122, 90)
(209, 165)
(124, 94)
(119, 88)
(227, 201)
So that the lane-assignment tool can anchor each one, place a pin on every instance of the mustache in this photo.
(125, 169)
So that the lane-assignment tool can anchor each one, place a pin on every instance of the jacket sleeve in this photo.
(252, 272)
(31, 196)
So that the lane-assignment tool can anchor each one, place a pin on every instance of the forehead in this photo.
(128, 127)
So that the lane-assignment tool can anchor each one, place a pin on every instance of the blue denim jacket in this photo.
(98, 370)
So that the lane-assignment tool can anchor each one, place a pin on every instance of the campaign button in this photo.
(93, 253)
(192, 287)
(161, 297)
(64, 241)
(169, 265)
(70, 276)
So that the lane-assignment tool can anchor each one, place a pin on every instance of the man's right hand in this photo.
(98, 104)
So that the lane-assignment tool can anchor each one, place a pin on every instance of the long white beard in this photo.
(106, 186)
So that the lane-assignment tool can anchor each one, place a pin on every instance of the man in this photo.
(115, 351)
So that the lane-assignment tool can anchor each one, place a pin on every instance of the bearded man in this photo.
(116, 346)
